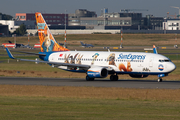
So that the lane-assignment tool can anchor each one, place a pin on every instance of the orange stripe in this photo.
(93, 71)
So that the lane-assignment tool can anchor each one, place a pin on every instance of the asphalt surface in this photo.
(97, 83)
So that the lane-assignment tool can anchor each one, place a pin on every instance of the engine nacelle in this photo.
(97, 72)
(138, 75)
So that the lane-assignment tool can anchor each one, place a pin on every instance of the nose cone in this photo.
(171, 67)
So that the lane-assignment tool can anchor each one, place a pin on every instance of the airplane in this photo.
(17, 45)
(2, 46)
(21, 45)
(98, 64)
(26, 46)
(62, 44)
(86, 45)
(11, 45)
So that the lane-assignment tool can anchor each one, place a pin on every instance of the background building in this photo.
(151, 22)
(171, 24)
(89, 20)
(82, 19)
(13, 25)
(0, 16)
(4, 30)
(51, 19)
(74, 19)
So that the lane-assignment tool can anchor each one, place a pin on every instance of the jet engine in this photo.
(97, 72)
(138, 75)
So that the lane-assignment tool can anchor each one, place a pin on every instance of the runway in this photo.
(97, 83)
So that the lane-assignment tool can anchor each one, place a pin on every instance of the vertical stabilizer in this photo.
(82, 43)
(154, 49)
(47, 41)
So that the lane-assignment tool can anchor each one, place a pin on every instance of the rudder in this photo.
(47, 41)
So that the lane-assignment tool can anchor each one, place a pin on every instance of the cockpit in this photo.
(164, 60)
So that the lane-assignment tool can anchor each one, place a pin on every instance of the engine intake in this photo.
(97, 72)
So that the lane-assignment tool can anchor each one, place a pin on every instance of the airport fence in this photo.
(151, 31)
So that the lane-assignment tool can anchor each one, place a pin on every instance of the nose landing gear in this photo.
(160, 79)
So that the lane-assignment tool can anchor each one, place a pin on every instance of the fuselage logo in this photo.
(60, 55)
(41, 25)
(132, 57)
(161, 67)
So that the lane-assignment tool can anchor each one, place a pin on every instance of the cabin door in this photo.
(151, 62)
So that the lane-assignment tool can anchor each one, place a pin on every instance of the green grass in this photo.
(29, 66)
(173, 57)
(71, 37)
(14, 107)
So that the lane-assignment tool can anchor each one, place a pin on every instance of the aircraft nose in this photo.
(172, 67)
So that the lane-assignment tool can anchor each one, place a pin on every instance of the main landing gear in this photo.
(114, 78)
(160, 79)
(89, 79)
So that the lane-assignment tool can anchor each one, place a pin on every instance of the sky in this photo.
(157, 8)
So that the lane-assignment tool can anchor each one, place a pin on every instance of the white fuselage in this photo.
(120, 62)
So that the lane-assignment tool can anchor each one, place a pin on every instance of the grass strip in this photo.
(48, 102)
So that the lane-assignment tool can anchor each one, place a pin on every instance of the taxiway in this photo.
(146, 84)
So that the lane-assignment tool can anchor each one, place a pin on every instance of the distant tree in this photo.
(21, 30)
(6, 17)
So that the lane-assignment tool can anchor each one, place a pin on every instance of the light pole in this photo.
(121, 46)
(65, 32)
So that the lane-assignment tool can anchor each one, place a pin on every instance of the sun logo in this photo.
(161, 67)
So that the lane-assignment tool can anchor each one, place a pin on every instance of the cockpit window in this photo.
(166, 60)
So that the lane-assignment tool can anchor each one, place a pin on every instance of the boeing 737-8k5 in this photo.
(86, 45)
(98, 64)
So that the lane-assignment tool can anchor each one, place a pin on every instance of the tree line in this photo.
(19, 31)
(6, 17)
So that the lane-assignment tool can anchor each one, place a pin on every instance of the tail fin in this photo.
(154, 49)
(47, 41)
(82, 43)
(9, 41)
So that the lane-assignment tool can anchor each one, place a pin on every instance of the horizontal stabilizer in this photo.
(41, 54)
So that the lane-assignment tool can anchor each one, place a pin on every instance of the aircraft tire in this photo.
(159, 79)
(89, 79)
(114, 78)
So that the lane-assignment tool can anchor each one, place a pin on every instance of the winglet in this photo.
(155, 50)
(9, 53)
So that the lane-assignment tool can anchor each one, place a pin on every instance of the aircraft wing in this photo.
(48, 62)
(57, 63)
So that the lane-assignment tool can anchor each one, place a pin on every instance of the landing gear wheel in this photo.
(159, 79)
(89, 79)
(114, 78)
(111, 77)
